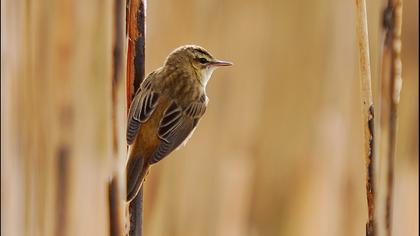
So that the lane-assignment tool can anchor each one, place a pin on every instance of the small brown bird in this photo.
(166, 109)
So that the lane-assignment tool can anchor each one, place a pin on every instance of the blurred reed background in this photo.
(279, 151)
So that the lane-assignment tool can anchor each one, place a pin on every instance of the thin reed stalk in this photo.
(367, 112)
(390, 96)
(116, 193)
(136, 10)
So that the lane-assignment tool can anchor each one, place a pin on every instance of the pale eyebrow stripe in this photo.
(203, 52)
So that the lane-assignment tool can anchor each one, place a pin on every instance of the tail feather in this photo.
(135, 169)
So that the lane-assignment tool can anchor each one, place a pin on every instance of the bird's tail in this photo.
(135, 174)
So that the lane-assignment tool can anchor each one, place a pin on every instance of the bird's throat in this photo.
(205, 76)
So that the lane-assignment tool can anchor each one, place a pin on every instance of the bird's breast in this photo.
(183, 90)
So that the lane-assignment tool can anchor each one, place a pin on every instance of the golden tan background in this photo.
(279, 149)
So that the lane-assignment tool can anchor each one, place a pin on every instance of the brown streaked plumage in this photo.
(166, 110)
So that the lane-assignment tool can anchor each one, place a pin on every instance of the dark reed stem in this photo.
(135, 21)
(390, 93)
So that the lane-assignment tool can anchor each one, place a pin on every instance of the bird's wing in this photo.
(142, 107)
(175, 126)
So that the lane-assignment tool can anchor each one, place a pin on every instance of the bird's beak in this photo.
(220, 63)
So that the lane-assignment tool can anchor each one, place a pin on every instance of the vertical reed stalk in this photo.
(116, 194)
(136, 10)
(390, 94)
(367, 112)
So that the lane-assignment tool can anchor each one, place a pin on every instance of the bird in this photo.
(166, 110)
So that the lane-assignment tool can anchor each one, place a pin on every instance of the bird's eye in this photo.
(202, 60)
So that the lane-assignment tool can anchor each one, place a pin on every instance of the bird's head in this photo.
(196, 58)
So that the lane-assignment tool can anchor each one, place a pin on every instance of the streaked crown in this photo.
(189, 53)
